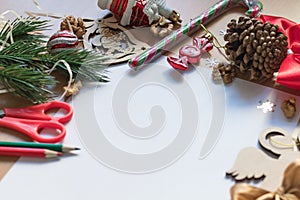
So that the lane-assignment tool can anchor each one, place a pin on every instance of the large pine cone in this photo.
(255, 48)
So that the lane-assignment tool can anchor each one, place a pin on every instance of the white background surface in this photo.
(84, 176)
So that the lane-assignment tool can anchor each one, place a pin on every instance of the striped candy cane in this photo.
(254, 8)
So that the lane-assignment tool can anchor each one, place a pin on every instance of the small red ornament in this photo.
(62, 40)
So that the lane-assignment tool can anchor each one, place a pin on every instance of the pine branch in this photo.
(23, 63)
(27, 82)
(85, 64)
(24, 53)
(28, 29)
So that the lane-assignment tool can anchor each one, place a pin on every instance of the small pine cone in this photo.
(70, 23)
(227, 72)
(259, 49)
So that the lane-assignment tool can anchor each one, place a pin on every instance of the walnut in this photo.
(175, 17)
(162, 28)
(227, 72)
(73, 89)
(288, 107)
(76, 26)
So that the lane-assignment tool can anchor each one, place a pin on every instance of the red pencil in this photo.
(28, 152)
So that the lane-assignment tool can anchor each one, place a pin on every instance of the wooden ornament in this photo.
(279, 149)
(113, 41)
(288, 190)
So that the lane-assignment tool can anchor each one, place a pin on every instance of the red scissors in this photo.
(33, 119)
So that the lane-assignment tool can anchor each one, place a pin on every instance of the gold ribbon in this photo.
(289, 190)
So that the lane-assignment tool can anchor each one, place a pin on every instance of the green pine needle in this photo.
(25, 29)
(27, 82)
(22, 52)
(85, 64)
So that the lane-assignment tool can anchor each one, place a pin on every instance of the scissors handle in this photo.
(38, 112)
(32, 128)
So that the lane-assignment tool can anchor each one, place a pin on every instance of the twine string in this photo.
(5, 20)
(217, 44)
(36, 3)
(286, 145)
(66, 64)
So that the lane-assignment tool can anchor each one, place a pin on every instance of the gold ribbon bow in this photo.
(289, 190)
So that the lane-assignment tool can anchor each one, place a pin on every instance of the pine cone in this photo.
(256, 48)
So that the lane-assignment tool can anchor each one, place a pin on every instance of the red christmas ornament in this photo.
(289, 72)
(61, 41)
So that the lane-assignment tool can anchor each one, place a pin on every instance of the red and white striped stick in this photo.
(254, 8)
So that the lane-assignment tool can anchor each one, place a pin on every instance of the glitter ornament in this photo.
(62, 40)
(139, 12)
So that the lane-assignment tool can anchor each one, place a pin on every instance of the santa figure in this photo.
(139, 12)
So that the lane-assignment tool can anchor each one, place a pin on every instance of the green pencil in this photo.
(54, 147)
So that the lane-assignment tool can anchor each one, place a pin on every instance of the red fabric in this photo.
(118, 7)
(138, 17)
(289, 72)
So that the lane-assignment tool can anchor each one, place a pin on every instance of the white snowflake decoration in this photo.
(222, 32)
(216, 74)
(211, 62)
(266, 106)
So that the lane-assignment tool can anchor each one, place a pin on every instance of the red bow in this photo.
(289, 72)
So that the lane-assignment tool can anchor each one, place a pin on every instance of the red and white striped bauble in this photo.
(62, 40)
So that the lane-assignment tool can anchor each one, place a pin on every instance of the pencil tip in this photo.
(51, 154)
(67, 149)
